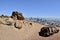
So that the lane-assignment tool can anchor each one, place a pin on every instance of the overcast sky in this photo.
(31, 8)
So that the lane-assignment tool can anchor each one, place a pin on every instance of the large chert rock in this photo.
(17, 15)
(47, 31)
(18, 24)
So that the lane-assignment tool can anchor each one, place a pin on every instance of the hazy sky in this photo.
(31, 8)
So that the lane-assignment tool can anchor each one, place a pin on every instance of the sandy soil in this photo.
(27, 32)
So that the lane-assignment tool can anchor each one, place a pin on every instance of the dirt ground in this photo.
(27, 32)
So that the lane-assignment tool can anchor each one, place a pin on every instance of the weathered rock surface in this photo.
(18, 24)
(48, 31)
(6, 21)
(17, 15)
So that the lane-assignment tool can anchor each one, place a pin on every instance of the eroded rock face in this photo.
(17, 15)
(48, 31)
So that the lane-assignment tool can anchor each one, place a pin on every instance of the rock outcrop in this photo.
(47, 31)
(17, 15)
(6, 21)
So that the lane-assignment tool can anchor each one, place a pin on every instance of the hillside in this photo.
(27, 32)
(14, 29)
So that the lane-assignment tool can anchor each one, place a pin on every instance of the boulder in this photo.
(18, 25)
(53, 30)
(17, 15)
(48, 31)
